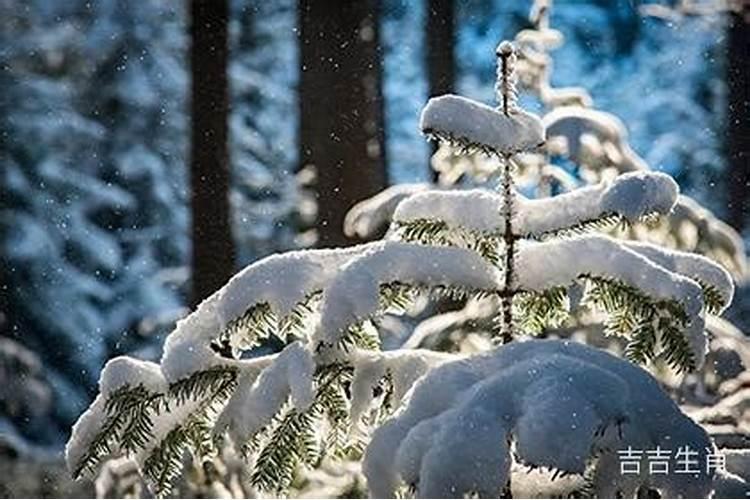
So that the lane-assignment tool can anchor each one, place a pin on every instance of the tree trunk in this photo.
(213, 246)
(738, 119)
(341, 107)
(440, 40)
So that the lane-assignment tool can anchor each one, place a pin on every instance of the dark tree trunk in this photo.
(738, 119)
(341, 107)
(213, 246)
(440, 40)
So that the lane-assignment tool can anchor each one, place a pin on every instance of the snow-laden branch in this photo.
(474, 209)
(542, 266)
(696, 267)
(474, 125)
(561, 403)
(117, 374)
(281, 281)
(354, 295)
(368, 216)
(560, 262)
(713, 236)
(574, 122)
(629, 197)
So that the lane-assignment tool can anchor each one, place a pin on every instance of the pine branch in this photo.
(358, 337)
(165, 462)
(676, 348)
(536, 312)
(298, 321)
(605, 221)
(424, 231)
(212, 388)
(602, 223)
(397, 296)
(218, 381)
(294, 438)
(642, 346)
(257, 323)
(137, 434)
(654, 319)
(712, 297)
(488, 246)
(125, 405)
(289, 443)
(463, 145)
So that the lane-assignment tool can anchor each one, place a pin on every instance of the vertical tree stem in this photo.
(510, 251)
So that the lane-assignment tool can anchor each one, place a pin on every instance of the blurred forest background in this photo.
(150, 149)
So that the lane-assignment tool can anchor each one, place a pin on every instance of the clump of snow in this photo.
(84, 432)
(475, 209)
(353, 295)
(560, 402)
(124, 370)
(285, 376)
(636, 194)
(403, 367)
(466, 121)
(366, 217)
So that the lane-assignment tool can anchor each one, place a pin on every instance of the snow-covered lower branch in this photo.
(562, 404)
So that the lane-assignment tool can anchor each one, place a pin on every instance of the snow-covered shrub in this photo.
(331, 385)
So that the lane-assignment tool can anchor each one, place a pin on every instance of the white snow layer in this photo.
(550, 397)
(630, 196)
(255, 402)
(366, 217)
(561, 262)
(353, 295)
(475, 209)
(470, 121)
(403, 367)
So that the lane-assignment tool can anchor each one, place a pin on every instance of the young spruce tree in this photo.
(434, 424)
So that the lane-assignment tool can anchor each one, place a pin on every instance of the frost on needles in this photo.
(548, 403)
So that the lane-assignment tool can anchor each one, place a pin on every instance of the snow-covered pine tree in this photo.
(331, 383)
